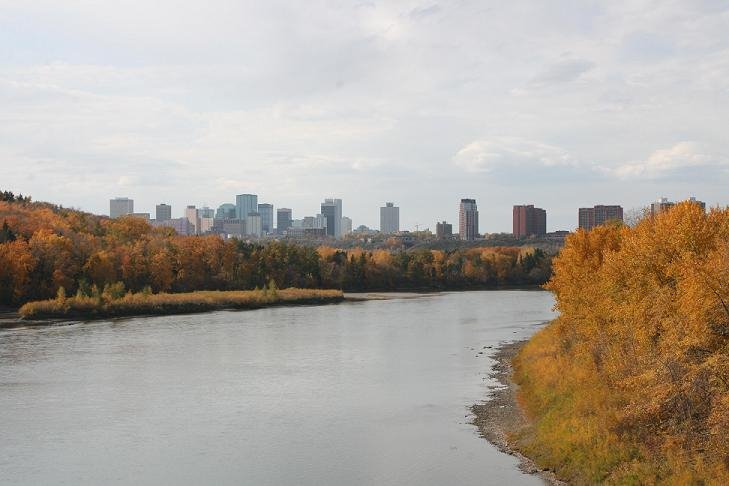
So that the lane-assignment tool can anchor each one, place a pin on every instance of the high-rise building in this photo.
(226, 211)
(662, 204)
(701, 204)
(319, 221)
(346, 225)
(205, 212)
(443, 230)
(244, 204)
(389, 219)
(283, 220)
(120, 206)
(180, 225)
(253, 224)
(468, 220)
(529, 221)
(332, 210)
(163, 212)
(266, 212)
(588, 218)
(191, 215)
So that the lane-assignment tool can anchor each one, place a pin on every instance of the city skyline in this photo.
(418, 102)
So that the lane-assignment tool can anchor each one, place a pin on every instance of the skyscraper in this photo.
(529, 221)
(266, 212)
(205, 212)
(244, 204)
(588, 218)
(283, 220)
(226, 211)
(468, 220)
(191, 215)
(120, 206)
(163, 212)
(389, 219)
(443, 230)
(253, 224)
(332, 210)
(346, 225)
(662, 204)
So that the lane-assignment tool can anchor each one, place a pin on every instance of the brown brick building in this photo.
(588, 218)
(529, 221)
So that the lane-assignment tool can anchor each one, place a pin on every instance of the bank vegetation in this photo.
(630, 385)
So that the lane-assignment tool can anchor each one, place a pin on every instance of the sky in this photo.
(560, 104)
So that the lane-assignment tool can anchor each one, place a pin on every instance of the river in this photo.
(374, 392)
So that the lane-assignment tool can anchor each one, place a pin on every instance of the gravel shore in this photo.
(500, 416)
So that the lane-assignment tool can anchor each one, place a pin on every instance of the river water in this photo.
(374, 392)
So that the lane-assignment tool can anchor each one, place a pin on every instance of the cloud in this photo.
(663, 163)
(561, 72)
(487, 155)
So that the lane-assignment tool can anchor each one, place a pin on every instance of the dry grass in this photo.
(144, 303)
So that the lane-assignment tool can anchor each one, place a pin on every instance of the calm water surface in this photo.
(357, 393)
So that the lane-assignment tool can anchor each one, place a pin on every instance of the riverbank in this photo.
(140, 304)
(501, 418)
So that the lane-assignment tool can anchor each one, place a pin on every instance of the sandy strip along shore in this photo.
(500, 416)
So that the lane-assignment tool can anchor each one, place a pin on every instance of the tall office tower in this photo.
(226, 211)
(191, 215)
(468, 220)
(205, 212)
(253, 224)
(244, 204)
(662, 204)
(443, 230)
(588, 218)
(163, 212)
(346, 225)
(529, 221)
(389, 219)
(320, 221)
(266, 212)
(120, 206)
(283, 220)
(332, 210)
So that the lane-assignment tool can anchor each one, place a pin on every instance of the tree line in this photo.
(44, 247)
(630, 385)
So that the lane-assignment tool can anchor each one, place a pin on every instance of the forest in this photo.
(44, 247)
(630, 385)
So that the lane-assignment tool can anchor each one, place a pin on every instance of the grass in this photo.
(144, 303)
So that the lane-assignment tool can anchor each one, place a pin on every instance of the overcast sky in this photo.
(561, 104)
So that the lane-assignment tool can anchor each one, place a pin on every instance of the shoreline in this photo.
(499, 415)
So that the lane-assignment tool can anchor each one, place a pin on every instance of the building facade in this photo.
(443, 230)
(144, 216)
(253, 225)
(331, 209)
(266, 212)
(180, 225)
(191, 215)
(468, 220)
(588, 218)
(283, 220)
(120, 206)
(529, 221)
(389, 219)
(244, 204)
(225, 211)
(163, 212)
(346, 225)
